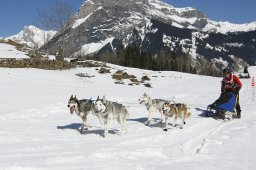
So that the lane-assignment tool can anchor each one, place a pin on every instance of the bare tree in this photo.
(61, 13)
(45, 22)
(54, 18)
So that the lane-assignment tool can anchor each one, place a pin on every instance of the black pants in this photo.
(238, 108)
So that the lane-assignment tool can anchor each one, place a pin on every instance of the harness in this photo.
(105, 113)
(148, 104)
(153, 102)
(85, 101)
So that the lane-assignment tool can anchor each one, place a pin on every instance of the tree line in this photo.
(133, 56)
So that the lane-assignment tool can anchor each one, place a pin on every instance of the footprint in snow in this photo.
(219, 142)
(225, 137)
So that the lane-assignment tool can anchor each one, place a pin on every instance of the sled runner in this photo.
(224, 106)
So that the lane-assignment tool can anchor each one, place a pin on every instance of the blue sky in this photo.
(15, 14)
(235, 11)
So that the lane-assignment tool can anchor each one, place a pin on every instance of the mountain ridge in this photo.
(103, 26)
(32, 36)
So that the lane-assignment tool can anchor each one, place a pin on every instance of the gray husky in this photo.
(82, 109)
(152, 105)
(178, 110)
(110, 111)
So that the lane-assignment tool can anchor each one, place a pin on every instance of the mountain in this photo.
(32, 36)
(103, 26)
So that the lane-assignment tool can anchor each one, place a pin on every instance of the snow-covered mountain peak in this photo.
(187, 17)
(32, 36)
(225, 26)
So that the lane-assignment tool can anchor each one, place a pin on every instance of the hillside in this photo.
(10, 51)
(38, 131)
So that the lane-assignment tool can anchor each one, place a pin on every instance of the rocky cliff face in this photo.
(104, 25)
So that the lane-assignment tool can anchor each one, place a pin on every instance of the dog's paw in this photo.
(165, 129)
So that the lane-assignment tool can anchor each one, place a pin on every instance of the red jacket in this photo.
(232, 83)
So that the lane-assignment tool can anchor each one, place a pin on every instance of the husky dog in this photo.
(110, 111)
(177, 110)
(152, 105)
(82, 109)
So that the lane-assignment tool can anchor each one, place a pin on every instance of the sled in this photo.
(223, 107)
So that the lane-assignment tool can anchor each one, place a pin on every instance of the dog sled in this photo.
(224, 107)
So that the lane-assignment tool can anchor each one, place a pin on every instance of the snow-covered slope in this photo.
(252, 71)
(10, 51)
(32, 36)
(38, 132)
(224, 27)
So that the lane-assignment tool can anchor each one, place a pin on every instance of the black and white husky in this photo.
(110, 111)
(152, 105)
(82, 109)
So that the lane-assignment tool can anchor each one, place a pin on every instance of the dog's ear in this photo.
(75, 97)
(98, 98)
(104, 99)
(71, 96)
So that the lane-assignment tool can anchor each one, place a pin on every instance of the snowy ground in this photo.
(38, 132)
(9, 51)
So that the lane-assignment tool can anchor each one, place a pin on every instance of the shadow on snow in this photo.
(76, 126)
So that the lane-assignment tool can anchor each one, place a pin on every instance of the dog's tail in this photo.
(127, 115)
(188, 114)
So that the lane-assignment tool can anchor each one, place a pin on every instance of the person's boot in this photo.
(238, 114)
